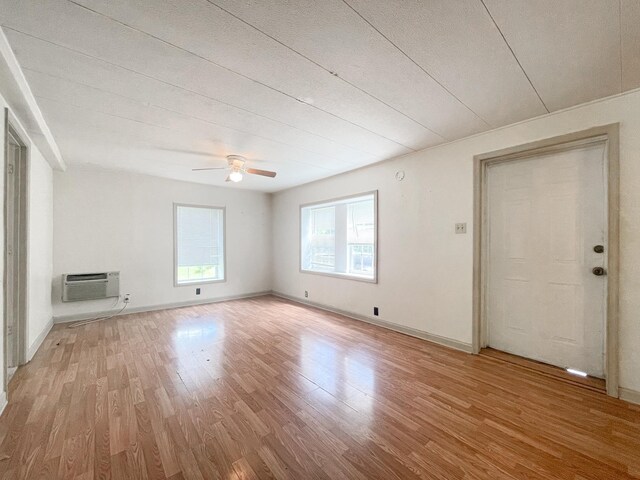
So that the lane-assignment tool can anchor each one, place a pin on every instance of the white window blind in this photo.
(339, 237)
(199, 237)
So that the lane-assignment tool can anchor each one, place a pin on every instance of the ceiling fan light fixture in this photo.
(237, 169)
(235, 176)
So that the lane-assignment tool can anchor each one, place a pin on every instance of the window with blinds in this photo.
(338, 237)
(199, 244)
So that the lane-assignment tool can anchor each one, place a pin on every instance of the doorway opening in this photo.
(15, 251)
(546, 252)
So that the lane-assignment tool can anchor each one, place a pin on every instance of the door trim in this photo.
(20, 335)
(609, 134)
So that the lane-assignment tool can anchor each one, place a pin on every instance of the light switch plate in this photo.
(461, 228)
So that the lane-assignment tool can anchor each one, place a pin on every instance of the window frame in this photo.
(344, 276)
(175, 244)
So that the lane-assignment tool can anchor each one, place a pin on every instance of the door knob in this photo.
(598, 248)
(599, 271)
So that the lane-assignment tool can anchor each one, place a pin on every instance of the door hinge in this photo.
(10, 168)
(9, 329)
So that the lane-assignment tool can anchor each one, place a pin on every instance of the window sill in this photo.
(344, 276)
(198, 282)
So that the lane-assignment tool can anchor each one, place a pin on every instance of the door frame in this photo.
(609, 134)
(13, 131)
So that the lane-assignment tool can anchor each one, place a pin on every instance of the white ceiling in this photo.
(306, 88)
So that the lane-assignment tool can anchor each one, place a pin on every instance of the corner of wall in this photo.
(33, 348)
(271, 249)
(3, 401)
(40, 250)
(628, 395)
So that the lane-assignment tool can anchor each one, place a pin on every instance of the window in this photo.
(339, 237)
(199, 244)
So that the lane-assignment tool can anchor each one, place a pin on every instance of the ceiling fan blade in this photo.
(228, 179)
(264, 173)
(208, 168)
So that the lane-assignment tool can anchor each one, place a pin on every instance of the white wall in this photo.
(425, 270)
(40, 250)
(108, 220)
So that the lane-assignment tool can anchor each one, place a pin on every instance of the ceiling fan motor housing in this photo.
(236, 161)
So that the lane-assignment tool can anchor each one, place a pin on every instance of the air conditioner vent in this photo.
(78, 277)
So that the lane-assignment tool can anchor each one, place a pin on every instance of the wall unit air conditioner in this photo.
(90, 286)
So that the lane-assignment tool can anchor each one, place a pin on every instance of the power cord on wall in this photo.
(99, 319)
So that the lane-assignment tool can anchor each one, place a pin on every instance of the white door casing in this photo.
(15, 252)
(544, 216)
(13, 153)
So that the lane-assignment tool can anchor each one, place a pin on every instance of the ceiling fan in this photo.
(237, 168)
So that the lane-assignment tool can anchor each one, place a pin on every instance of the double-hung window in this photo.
(338, 237)
(199, 244)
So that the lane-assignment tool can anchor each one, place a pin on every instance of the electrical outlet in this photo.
(306, 294)
(461, 228)
(198, 291)
(127, 297)
(375, 311)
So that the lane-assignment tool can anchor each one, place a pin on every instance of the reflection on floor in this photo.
(265, 388)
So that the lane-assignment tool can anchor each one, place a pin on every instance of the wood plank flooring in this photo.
(265, 388)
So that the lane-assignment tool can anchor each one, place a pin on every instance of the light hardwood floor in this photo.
(264, 388)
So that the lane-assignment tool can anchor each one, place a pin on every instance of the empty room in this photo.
(336, 239)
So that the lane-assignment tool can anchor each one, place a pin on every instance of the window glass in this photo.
(339, 237)
(199, 244)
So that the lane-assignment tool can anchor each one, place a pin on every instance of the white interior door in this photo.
(544, 216)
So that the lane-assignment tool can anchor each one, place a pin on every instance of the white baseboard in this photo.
(36, 345)
(150, 308)
(628, 395)
(445, 341)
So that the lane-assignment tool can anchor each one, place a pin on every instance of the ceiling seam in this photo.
(329, 71)
(514, 56)
(184, 89)
(258, 82)
(103, 113)
(100, 112)
(397, 47)
(184, 115)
